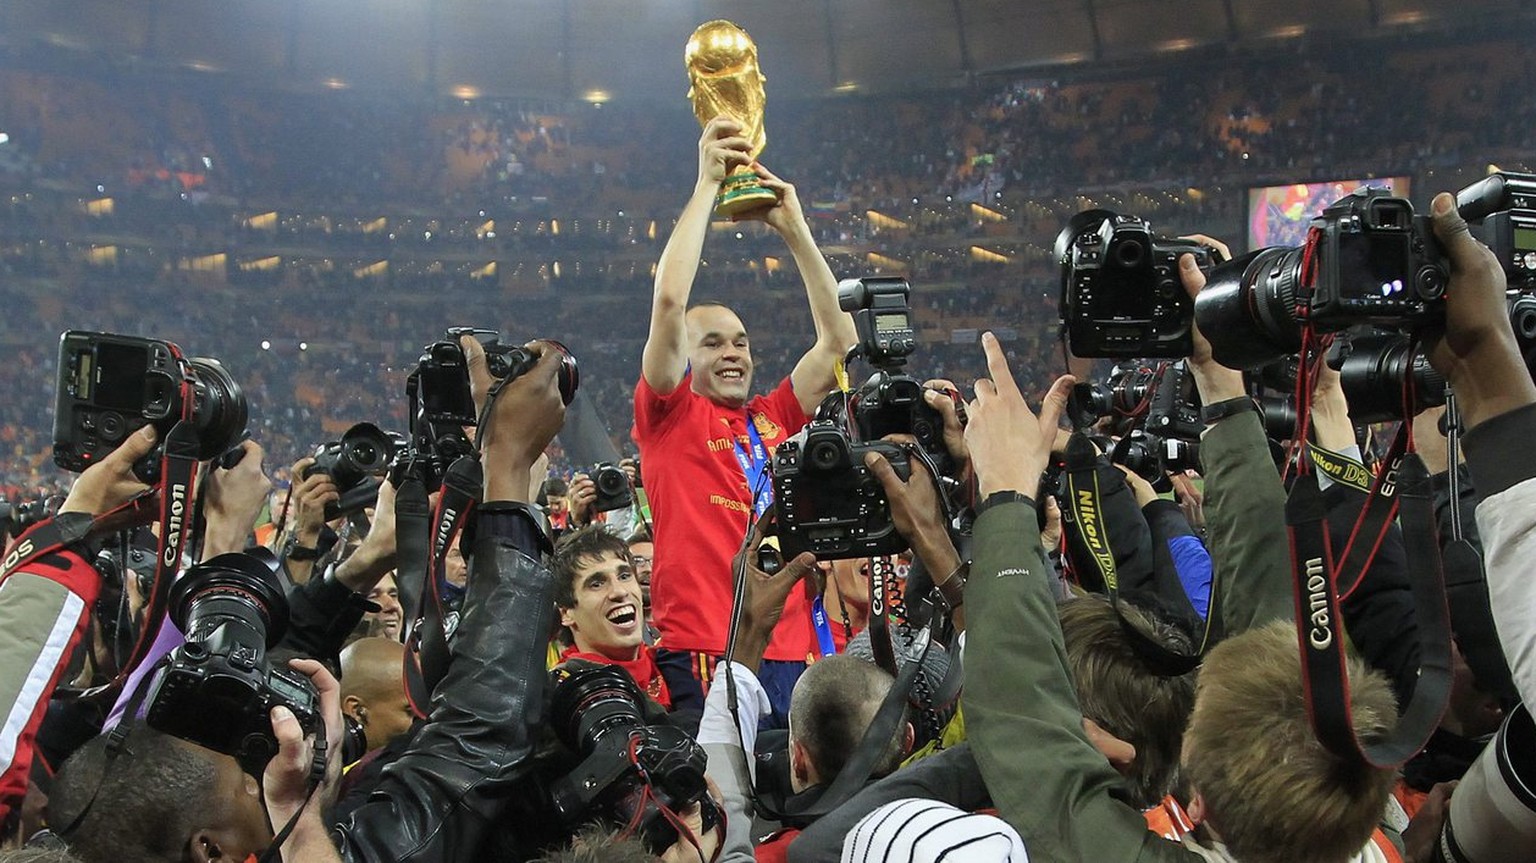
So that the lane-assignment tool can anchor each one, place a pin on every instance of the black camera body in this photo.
(828, 501)
(110, 386)
(628, 769)
(1120, 291)
(1152, 456)
(1377, 263)
(442, 403)
(1175, 408)
(218, 688)
(613, 490)
(355, 463)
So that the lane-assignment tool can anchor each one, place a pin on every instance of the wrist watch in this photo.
(1001, 497)
(1214, 413)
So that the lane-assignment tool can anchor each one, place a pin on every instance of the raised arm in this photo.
(665, 360)
(813, 375)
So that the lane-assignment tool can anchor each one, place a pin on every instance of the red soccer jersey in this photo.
(702, 507)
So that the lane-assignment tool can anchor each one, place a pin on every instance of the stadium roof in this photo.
(632, 49)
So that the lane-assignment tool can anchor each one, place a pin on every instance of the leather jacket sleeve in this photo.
(437, 802)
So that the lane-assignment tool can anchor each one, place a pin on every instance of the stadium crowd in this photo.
(975, 634)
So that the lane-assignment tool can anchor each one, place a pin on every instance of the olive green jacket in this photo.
(1021, 712)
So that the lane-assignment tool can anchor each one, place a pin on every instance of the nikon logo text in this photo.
(1088, 516)
(173, 527)
(1317, 599)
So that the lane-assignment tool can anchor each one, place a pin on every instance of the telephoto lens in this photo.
(1384, 377)
(1247, 310)
(219, 408)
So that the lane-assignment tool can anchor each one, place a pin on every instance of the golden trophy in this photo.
(724, 79)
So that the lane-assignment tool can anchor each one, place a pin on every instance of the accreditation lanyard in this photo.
(754, 467)
(824, 640)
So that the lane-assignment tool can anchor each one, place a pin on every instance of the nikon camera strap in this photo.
(1082, 486)
(1320, 633)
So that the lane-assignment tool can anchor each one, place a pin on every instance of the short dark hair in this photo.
(580, 546)
(1120, 689)
(831, 708)
(148, 802)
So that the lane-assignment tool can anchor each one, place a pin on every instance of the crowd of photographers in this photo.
(1195, 610)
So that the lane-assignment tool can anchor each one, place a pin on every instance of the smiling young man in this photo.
(598, 597)
(705, 441)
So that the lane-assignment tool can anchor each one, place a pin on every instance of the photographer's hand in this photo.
(683, 851)
(375, 557)
(582, 496)
(309, 498)
(943, 396)
(235, 498)
(919, 518)
(1477, 351)
(526, 417)
(1011, 446)
(285, 785)
(1330, 412)
(765, 595)
(1215, 381)
(110, 483)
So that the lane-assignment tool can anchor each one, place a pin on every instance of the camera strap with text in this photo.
(1081, 477)
(1319, 626)
(1376, 516)
(427, 654)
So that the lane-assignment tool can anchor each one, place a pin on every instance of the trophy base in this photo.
(742, 193)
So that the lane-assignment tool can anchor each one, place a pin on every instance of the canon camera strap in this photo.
(413, 530)
(426, 656)
(1319, 626)
(1082, 486)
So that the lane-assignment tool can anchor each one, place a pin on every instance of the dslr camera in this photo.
(1120, 291)
(110, 386)
(612, 488)
(218, 688)
(828, 501)
(356, 463)
(1374, 262)
(628, 770)
(442, 404)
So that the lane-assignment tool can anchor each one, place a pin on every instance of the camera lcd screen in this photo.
(118, 382)
(1525, 239)
(1375, 265)
(891, 323)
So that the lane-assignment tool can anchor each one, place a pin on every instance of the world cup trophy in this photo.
(724, 79)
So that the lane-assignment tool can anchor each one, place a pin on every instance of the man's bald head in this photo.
(373, 690)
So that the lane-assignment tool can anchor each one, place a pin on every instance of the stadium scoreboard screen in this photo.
(1280, 215)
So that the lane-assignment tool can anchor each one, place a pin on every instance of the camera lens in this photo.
(219, 408)
(366, 449)
(1247, 310)
(234, 599)
(1375, 372)
(611, 481)
(590, 703)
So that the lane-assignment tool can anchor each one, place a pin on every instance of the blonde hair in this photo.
(1271, 790)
